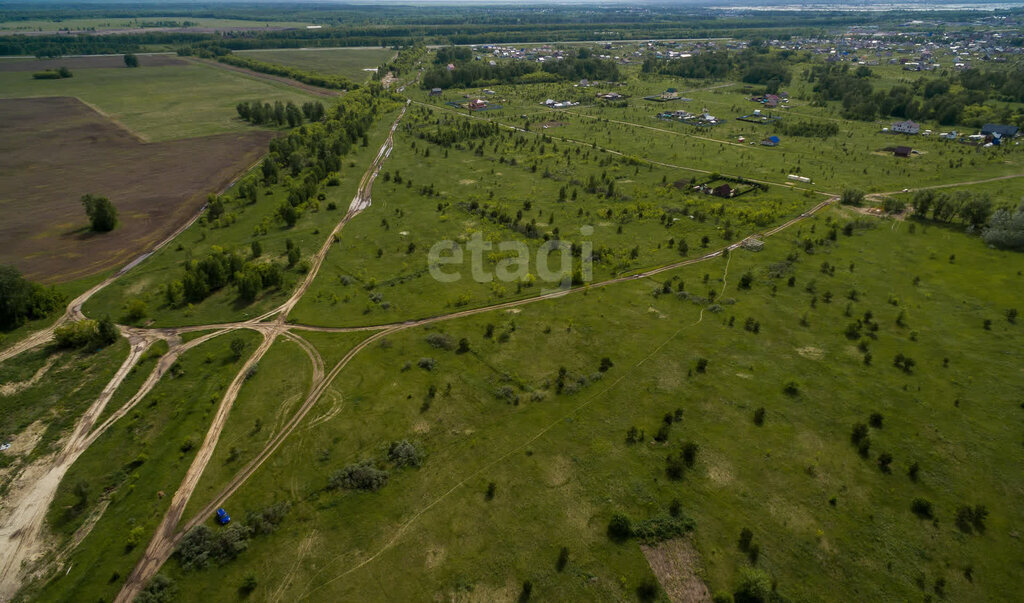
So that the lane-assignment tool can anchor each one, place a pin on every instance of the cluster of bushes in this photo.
(1006, 230)
(649, 531)
(280, 113)
(924, 99)
(22, 300)
(753, 66)
(972, 209)
(453, 132)
(676, 463)
(202, 546)
(219, 269)
(371, 475)
(306, 77)
(52, 74)
(86, 333)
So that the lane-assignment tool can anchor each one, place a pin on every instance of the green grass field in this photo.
(346, 62)
(766, 361)
(562, 467)
(160, 103)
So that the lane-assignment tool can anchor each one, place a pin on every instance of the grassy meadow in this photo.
(346, 62)
(768, 362)
(160, 103)
(562, 466)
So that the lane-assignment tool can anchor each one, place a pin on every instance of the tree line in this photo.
(280, 113)
(311, 156)
(334, 82)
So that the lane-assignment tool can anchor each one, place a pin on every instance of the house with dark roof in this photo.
(722, 190)
(902, 151)
(999, 129)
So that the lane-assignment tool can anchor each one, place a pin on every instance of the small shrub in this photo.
(746, 537)
(759, 416)
(884, 460)
(791, 388)
(690, 453)
(563, 559)
(441, 341)
(922, 508)
(359, 476)
(404, 454)
(859, 432)
(619, 527)
(426, 364)
(875, 420)
(864, 447)
(648, 589)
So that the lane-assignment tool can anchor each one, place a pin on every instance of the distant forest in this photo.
(403, 26)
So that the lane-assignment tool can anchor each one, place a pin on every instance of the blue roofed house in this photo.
(1000, 130)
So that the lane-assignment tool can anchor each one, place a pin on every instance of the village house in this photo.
(906, 127)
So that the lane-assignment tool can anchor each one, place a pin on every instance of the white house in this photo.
(906, 127)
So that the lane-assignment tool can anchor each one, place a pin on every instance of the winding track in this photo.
(23, 526)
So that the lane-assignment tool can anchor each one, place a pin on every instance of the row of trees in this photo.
(972, 209)
(280, 113)
(306, 77)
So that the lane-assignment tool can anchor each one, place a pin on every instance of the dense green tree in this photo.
(102, 213)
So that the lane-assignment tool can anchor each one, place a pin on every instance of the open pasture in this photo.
(346, 62)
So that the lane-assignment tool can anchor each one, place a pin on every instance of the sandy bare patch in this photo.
(719, 469)
(9, 389)
(467, 181)
(435, 556)
(811, 352)
(421, 427)
(558, 471)
(677, 565)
